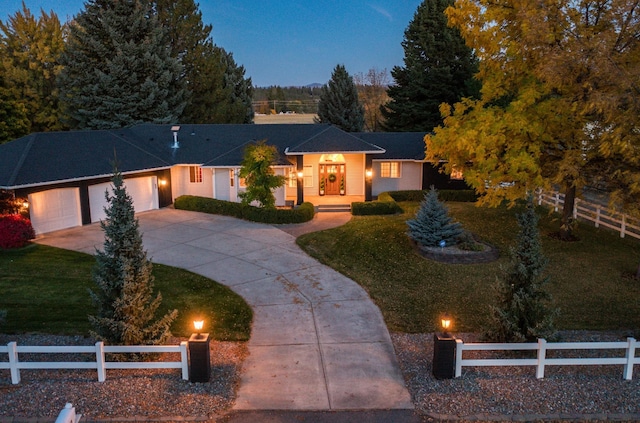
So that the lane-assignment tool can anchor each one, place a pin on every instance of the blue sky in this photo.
(290, 42)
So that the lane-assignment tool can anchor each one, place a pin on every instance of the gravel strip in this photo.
(494, 393)
(149, 394)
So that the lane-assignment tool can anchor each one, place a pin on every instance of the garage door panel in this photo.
(143, 192)
(55, 209)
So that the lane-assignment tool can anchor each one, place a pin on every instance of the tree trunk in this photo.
(566, 228)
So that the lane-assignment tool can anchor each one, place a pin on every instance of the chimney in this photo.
(175, 130)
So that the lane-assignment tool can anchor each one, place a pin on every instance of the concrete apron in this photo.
(318, 342)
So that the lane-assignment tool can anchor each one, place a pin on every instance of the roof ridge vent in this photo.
(175, 130)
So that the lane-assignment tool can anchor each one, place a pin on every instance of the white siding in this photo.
(180, 184)
(410, 178)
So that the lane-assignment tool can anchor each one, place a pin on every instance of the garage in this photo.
(143, 191)
(55, 209)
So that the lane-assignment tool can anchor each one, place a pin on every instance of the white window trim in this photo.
(390, 175)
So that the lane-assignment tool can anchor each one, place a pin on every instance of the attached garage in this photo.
(55, 209)
(143, 192)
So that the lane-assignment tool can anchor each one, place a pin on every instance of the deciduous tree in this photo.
(559, 100)
(339, 103)
(118, 68)
(372, 92)
(259, 175)
(126, 307)
(438, 68)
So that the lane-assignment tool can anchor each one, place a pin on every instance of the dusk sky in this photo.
(289, 42)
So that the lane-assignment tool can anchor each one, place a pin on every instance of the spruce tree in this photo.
(118, 70)
(522, 312)
(432, 223)
(126, 309)
(438, 68)
(339, 104)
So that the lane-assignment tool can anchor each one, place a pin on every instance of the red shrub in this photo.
(15, 231)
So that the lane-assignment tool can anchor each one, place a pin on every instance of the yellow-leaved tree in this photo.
(560, 103)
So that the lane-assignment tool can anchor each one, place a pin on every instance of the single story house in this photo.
(64, 175)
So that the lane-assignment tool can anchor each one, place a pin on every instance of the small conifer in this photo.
(432, 223)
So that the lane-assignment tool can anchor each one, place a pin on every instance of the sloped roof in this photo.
(45, 158)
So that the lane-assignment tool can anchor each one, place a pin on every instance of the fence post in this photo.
(630, 356)
(597, 216)
(623, 226)
(184, 359)
(542, 353)
(13, 362)
(556, 201)
(459, 346)
(102, 370)
(576, 204)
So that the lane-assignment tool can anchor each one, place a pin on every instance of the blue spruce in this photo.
(433, 224)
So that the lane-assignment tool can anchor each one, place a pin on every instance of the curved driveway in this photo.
(318, 342)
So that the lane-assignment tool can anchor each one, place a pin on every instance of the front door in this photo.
(333, 176)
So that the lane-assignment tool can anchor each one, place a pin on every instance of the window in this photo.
(232, 175)
(293, 179)
(308, 176)
(195, 174)
(456, 174)
(389, 169)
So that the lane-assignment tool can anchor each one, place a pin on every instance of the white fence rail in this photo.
(68, 415)
(596, 213)
(100, 364)
(542, 346)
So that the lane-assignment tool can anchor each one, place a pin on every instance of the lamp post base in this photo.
(199, 358)
(444, 356)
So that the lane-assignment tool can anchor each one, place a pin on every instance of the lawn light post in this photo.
(444, 351)
(199, 356)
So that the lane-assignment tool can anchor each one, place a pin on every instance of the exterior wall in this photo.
(180, 184)
(354, 183)
(410, 177)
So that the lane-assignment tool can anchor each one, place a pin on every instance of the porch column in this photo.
(368, 180)
(300, 181)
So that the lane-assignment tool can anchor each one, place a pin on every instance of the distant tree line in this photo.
(117, 63)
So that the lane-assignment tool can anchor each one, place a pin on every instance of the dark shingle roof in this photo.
(43, 158)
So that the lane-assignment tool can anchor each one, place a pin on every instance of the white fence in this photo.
(596, 213)
(68, 415)
(100, 363)
(542, 346)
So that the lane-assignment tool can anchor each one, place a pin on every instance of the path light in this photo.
(199, 355)
(444, 350)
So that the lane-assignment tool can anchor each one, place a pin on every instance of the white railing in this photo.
(596, 213)
(100, 363)
(542, 346)
(68, 415)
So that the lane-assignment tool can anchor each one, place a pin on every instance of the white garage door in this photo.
(143, 192)
(55, 209)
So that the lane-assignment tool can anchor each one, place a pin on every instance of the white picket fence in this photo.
(541, 361)
(100, 364)
(596, 213)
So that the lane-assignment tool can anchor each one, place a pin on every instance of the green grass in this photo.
(590, 279)
(45, 290)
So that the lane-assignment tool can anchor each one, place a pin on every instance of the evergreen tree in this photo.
(30, 50)
(438, 68)
(522, 313)
(433, 224)
(339, 104)
(13, 117)
(258, 172)
(125, 307)
(118, 68)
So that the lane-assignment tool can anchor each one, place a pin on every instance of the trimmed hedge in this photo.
(384, 205)
(304, 213)
(15, 231)
(463, 195)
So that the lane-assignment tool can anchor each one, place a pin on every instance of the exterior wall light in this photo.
(300, 175)
(369, 173)
(162, 182)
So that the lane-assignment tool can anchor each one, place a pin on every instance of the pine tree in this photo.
(30, 50)
(339, 104)
(522, 312)
(218, 90)
(13, 117)
(258, 172)
(438, 68)
(118, 68)
(433, 224)
(125, 307)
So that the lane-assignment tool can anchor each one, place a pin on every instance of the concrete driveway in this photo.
(318, 342)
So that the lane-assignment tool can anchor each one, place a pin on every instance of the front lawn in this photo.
(45, 289)
(590, 278)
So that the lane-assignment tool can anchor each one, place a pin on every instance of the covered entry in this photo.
(333, 174)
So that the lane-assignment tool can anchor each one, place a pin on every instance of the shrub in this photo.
(375, 208)
(300, 214)
(15, 231)
(463, 195)
(432, 223)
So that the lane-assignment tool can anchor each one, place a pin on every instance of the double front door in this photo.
(333, 178)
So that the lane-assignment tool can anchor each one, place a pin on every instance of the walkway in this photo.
(318, 342)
